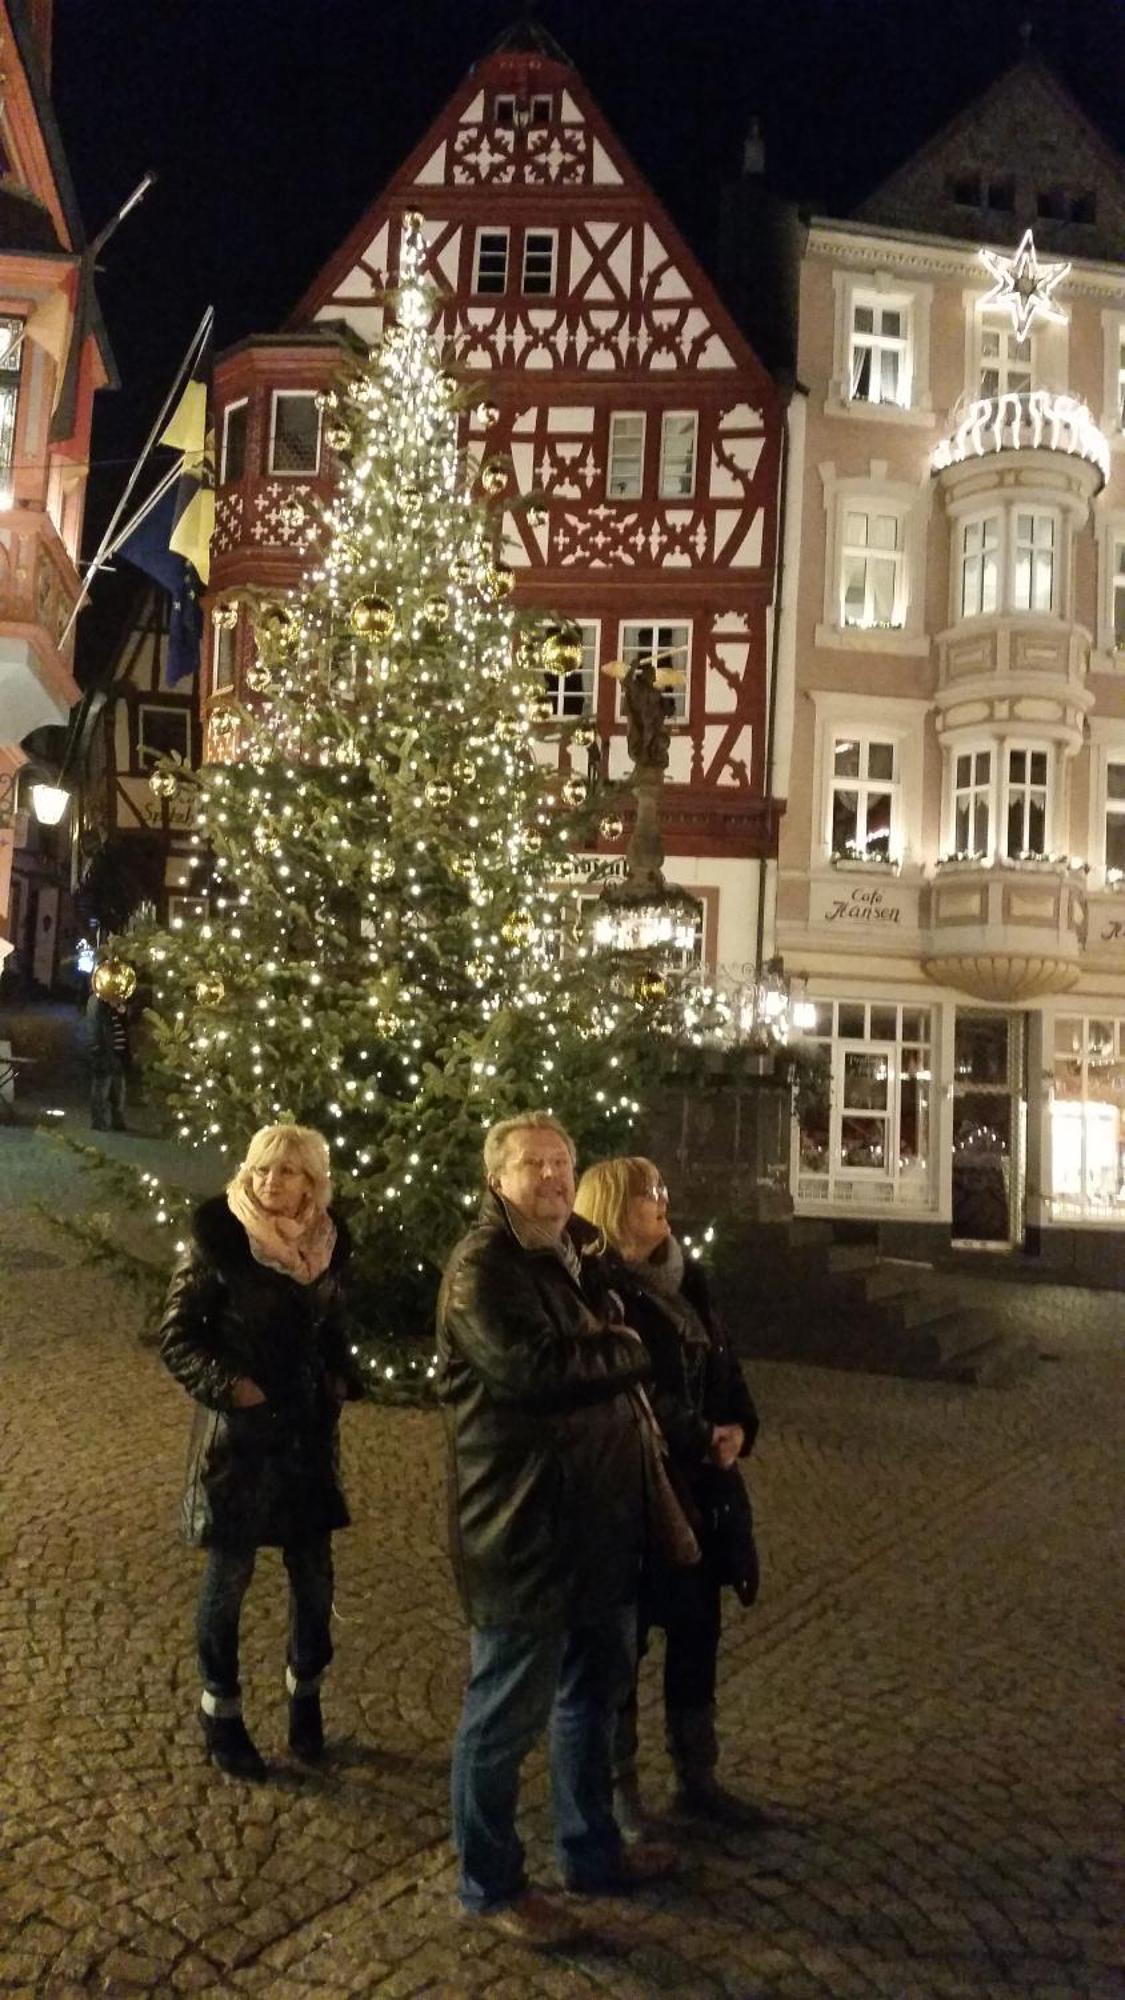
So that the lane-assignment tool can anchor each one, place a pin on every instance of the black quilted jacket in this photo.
(546, 1483)
(270, 1474)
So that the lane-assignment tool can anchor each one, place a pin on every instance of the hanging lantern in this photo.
(164, 784)
(210, 991)
(373, 617)
(494, 474)
(114, 979)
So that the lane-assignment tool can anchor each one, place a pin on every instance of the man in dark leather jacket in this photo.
(546, 1488)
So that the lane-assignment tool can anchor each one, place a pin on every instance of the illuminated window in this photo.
(972, 801)
(678, 429)
(1115, 820)
(1033, 570)
(1005, 362)
(1026, 803)
(880, 352)
(980, 566)
(865, 1123)
(871, 571)
(626, 455)
(1121, 380)
(669, 649)
(490, 269)
(863, 797)
(232, 458)
(1118, 591)
(572, 693)
(539, 261)
(1088, 1117)
(294, 431)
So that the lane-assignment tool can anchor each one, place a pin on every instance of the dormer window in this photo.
(965, 190)
(542, 106)
(504, 112)
(513, 113)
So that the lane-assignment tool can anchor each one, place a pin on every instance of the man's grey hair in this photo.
(497, 1137)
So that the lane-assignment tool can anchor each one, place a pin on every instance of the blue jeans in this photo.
(226, 1580)
(519, 1680)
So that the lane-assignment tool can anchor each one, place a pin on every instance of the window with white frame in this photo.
(668, 647)
(1006, 364)
(232, 455)
(1033, 564)
(871, 568)
(678, 434)
(980, 566)
(865, 1132)
(1115, 819)
(222, 657)
(863, 796)
(879, 355)
(162, 732)
(11, 355)
(1121, 378)
(626, 475)
(572, 692)
(1088, 1117)
(972, 801)
(539, 248)
(1028, 777)
(294, 431)
(490, 265)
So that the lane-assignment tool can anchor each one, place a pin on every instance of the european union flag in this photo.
(147, 548)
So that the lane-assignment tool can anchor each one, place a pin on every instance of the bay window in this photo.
(1033, 578)
(1026, 829)
(972, 801)
(980, 566)
(1000, 800)
(1008, 560)
(1115, 819)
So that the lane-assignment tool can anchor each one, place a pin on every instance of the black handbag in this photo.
(729, 1548)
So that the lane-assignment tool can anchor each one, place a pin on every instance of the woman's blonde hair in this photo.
(605, 1191)
(307, 1149)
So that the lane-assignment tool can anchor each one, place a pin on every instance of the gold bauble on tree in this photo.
(562, 652)
(266, 835)
(612, 827)
(463, 572)
(494, 475)
(224, 617)
(337, 437)
(258, 677)
(465, 770)
(114, 979)
(210, 991)
(574, 792)
(542, 710)
(489, 415)
(277, 619)
(373, 617)
(584, 736)
(326, 399)
(165, 784)
(501, 579)
(532, 839)
(410, 500)
(517, 929)
(438, 792)
(651, 986)
(435, 611)
(382, 867)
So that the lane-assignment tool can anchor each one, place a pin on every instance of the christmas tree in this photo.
(395, 949)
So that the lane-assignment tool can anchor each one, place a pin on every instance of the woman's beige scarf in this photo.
(299, 1245)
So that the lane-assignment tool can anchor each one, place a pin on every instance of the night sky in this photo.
(274, 123)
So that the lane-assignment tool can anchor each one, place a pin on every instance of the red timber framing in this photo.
(629, 401)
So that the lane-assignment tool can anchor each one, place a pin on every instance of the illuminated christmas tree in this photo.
(395, 951)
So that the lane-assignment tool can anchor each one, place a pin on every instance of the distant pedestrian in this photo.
(107, 1023)
(547, 1507)
(708, 1417)
(254, 1330)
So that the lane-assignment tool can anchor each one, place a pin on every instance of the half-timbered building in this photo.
(627, 398)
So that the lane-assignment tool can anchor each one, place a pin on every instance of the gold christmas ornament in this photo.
(574, 792)
(277, 619)
(489, 415)
(506, 729)
(439, 792)
(532, 839)
(562, 652)
(538, 517)
(165, 784)
(410, 500)
(292, 516)
(382, 867)
(651, 987)
(542, 710)
(337, 437)
(210, 991)
(465, 770)
(224, 617)
(266, 837)
(462, 865)
(372, 617)
(494, 476)
(258, 677)
(517, 929)
(501, 579)
(435, 611)
(612, 827)
(326, 399)
(463, 572)
(114, 979)
(413, 222)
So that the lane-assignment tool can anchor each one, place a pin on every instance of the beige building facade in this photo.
(951, 881)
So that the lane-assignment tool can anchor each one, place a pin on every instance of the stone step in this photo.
(998, 1363)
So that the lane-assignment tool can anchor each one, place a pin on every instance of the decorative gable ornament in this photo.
(1024, 286)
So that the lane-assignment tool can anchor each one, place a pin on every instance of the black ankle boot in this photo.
(231, 1748)
(306, 1727)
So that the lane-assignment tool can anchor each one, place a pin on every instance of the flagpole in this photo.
(197, 340)
(166, 480)
(99, 242)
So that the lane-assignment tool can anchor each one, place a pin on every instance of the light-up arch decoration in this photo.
(1037, 421)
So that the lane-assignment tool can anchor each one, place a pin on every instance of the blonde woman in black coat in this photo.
(709, 1421)
(253, 1328)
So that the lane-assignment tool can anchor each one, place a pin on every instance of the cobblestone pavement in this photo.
(923, 1696)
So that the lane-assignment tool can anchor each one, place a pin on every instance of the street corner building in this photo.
(952, 866)
(621, 391)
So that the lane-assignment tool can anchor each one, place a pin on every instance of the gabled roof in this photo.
(1025, 129)
(529, 38)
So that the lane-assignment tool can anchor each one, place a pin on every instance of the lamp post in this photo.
(49, 800)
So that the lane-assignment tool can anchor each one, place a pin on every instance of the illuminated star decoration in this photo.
(1024, 285)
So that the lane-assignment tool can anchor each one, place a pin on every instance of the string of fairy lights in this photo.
(392, 939)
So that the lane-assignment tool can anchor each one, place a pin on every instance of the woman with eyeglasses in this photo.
(706, 1412)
